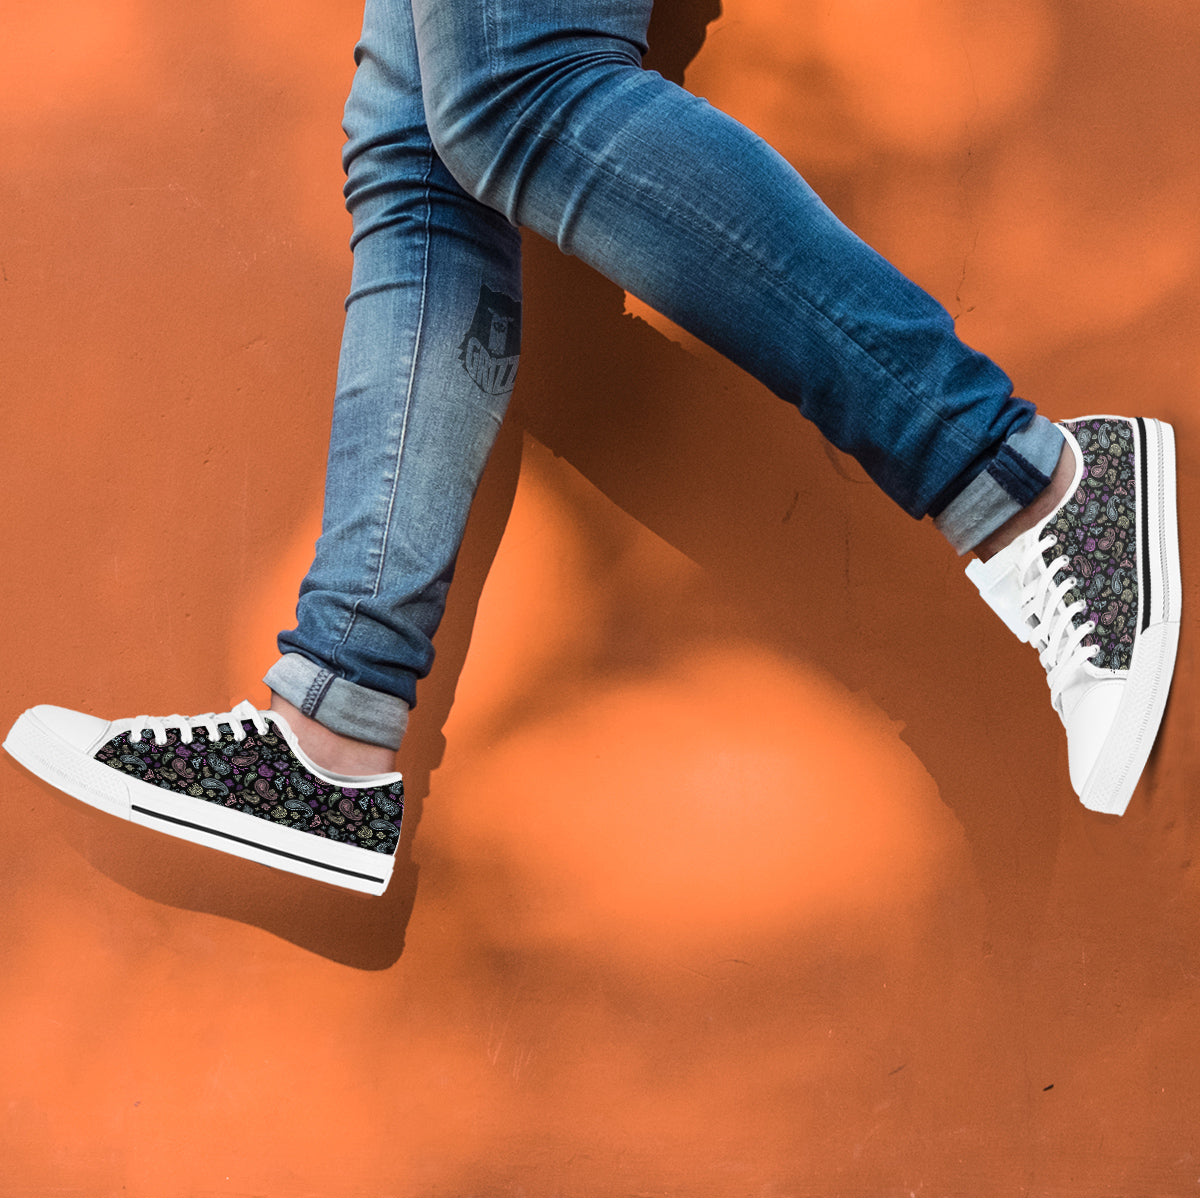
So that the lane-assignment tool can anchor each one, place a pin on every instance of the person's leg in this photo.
(428, 360)
(543, 111)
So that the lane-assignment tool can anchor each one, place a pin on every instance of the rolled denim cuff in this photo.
(1019, 471)
(346, 708)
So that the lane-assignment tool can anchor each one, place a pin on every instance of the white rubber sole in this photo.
(1111, 784)
(39, 749)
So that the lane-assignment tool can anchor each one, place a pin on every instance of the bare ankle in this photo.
(1034, 513)
(334, 751)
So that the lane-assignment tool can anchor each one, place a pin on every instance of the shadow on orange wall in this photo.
(740, 856)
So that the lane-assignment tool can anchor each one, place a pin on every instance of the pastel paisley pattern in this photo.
(261, 776)
(1097, 530)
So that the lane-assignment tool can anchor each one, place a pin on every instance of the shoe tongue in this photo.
(999, 583)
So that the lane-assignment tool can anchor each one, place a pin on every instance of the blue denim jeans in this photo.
(470, 118)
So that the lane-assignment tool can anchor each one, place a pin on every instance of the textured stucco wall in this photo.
(741, 856)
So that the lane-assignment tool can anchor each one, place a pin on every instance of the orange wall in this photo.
(740, 855)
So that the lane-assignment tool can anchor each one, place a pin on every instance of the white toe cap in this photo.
(1088, 723)
(79, 730)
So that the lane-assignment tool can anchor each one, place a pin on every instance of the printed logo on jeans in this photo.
(491, 350)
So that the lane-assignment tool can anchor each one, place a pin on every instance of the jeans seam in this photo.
(335, 653)
(321, 683)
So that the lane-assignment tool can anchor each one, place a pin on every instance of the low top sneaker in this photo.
(235, 781)
(1095, 590)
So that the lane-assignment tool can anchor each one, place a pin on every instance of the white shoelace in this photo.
(1053, 630)
(187, 726)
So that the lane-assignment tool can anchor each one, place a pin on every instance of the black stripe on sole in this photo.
(1144, 523)
(312, 862)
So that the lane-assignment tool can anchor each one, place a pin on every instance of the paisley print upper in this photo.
(261, 776)
(1097, 531)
